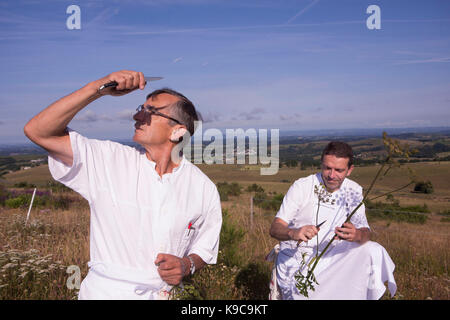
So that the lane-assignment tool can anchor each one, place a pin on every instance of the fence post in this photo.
(251, 212)
(31, 204)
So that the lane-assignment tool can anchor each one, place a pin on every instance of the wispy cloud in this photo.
(238, 28)
(177, 59)
(211, 116)
(126, 114)
(103, 17)
(91, 116)
(309, 6)
(430, 60)
(254, 114)
(290, 117)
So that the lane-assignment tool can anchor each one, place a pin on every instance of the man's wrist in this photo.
(363, 235)
(358, 235)
(93, 88)
(191, 265)
(184, 267)
(289, 234)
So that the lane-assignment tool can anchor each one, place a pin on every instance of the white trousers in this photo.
(348, 271)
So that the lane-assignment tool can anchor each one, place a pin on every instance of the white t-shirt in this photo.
(136, 214)
(300, 206)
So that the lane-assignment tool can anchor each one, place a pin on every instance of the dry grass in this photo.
(51, 241)
(421, 256)
(420, 252)
(61, 238)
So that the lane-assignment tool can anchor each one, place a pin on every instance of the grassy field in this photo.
(33, 259)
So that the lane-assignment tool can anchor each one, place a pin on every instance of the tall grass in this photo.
(34, 259)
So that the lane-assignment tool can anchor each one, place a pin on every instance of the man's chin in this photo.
(135, 137)
(331, 187)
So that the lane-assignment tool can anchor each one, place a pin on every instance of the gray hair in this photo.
(183, 110)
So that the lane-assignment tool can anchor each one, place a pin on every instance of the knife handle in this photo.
(110, 84)
(107, 85)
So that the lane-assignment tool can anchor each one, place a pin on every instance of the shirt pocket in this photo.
(185, 241)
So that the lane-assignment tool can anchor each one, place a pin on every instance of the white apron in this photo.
(348, 271)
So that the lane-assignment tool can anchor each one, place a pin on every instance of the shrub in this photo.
(445, 214)
(226, 189)
(291, 163)
(17, 202)
(24, 184)
(3, 194)
(395, 212)
(423, 187)
(255, 188)
(230, 238)
(213, 282)
(43, 199)
(263, 201)
(251, 278)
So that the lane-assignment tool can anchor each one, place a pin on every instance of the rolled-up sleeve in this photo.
(206, 242)
(75, 176)
(359, 219)
(293, 200)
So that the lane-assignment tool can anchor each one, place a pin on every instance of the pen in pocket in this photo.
(190, 228)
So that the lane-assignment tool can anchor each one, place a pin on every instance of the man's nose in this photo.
(137, 116)
(333, 174)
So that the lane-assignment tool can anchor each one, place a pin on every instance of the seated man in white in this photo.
(353, 267)
(155, 217)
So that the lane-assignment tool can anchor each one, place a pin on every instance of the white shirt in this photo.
(136, 214)
(300, 204)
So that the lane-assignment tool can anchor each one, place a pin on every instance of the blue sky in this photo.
(291, 65)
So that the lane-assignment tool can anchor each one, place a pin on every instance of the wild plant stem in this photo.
(388, 193)
(317, 222)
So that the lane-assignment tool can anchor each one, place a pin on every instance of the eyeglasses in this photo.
(150, 110)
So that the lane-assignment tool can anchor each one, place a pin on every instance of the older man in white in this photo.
(353, 267)
(154, 218)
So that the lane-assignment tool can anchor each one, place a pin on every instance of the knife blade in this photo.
(317, 226)
(114, 83)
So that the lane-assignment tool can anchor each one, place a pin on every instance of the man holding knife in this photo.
(312, 213)
(155, 218)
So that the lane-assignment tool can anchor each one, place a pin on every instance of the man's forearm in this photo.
(280, 232)
(53, 120)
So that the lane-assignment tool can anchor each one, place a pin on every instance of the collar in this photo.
(176, 169)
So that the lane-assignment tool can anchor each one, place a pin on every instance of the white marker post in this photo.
(31, 204)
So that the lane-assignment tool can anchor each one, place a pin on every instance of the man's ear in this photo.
(177, 133)
(350, 170)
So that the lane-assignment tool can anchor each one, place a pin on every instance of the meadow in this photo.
(34, 258)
